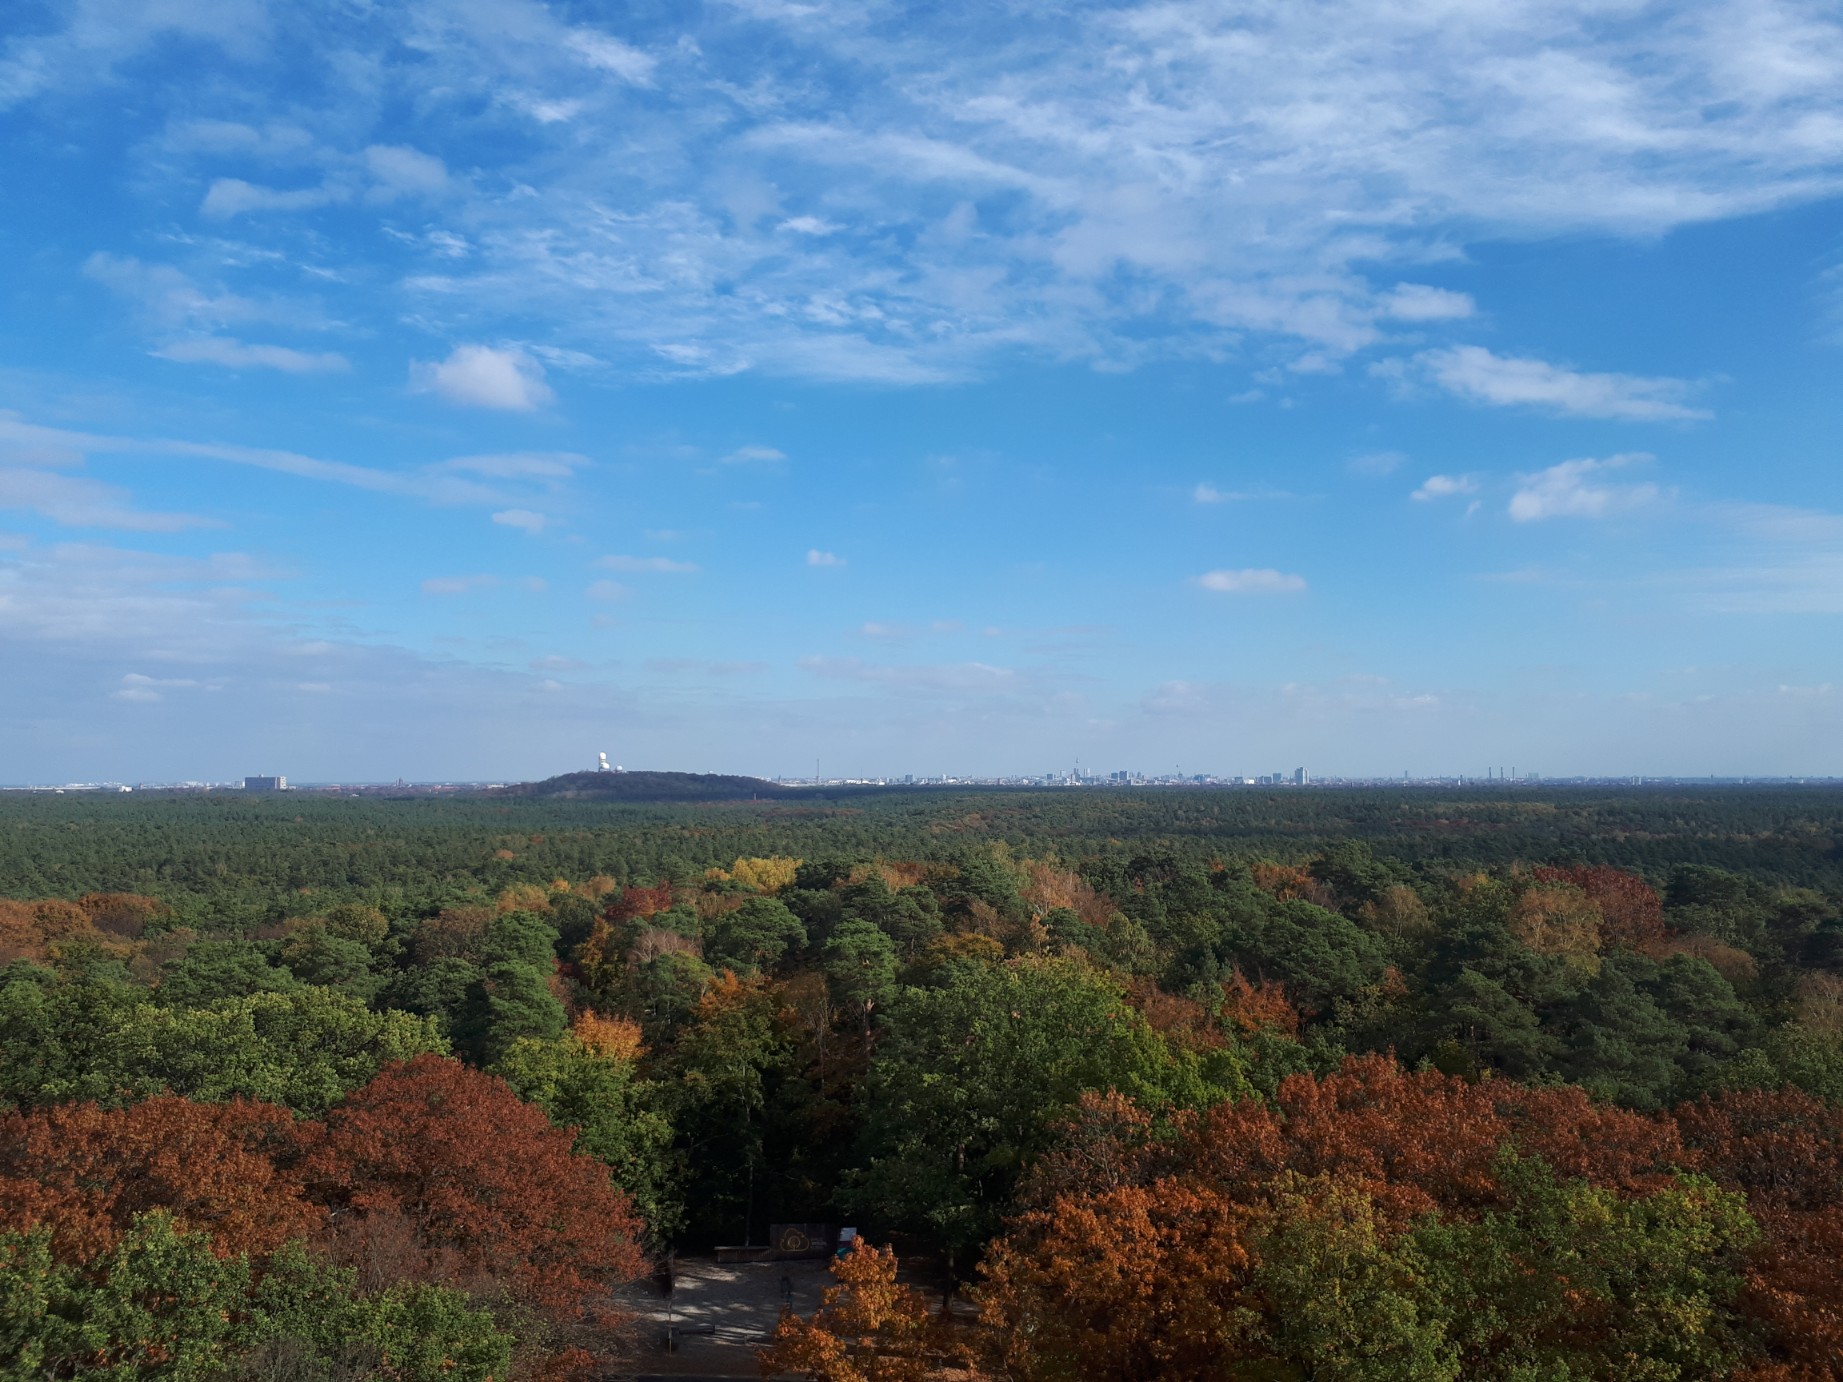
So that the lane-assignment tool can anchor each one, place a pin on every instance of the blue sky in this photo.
(459, 389)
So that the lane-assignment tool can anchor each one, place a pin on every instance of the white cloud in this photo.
(399, 171)
(1174, 173)
(1475, 373)
(517, 465)
(815, 557)
(608, 591)
(137, 687)
(481, 377)
(228, 197)
(76, 501)
(659, 564)
(744, 455)
(525, 520)
(1417, 302)
(808, 225)
(170, 298)
(1206, 493)
(1445, 487)
(30, 443)
(1252, 581)
(1570, 490)
(1376, 463)
(220, 350)
(458, 585)
(948, 677)
(609, 54)
(698, 666)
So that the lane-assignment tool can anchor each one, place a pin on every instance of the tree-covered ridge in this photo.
(1009, 1027)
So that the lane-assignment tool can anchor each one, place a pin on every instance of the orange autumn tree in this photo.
(85, 1173)
(482, 1175)
(1133, 1281)
(1784, 1151)
(1631, 912)
(868, 1328)
(1149, 1252)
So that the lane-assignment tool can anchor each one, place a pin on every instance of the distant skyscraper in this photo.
(1299, 777)
(265, 784)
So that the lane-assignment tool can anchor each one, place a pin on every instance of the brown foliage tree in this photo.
(1632, 914)
(455, 933)
(1421, 1140)
(1250, 1007)
(38, 930)
(1137, 1254)
(868, 1328)
(640, 902)
(1132, 1282)
(481, 1173)
(1784, 1150)
(1557, 919)
(222, 1169)
(121, 914)
(1285, 882)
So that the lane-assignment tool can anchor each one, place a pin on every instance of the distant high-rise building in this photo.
(1299, 777)
(265, 784)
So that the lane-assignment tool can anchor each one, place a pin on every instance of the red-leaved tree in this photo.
(1632, 914)
(222, 1169)
(1784, 1151)
(480, 1174)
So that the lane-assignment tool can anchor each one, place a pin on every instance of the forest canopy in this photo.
(1544, 1083)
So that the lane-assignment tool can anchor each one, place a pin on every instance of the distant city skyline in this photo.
(427, 391)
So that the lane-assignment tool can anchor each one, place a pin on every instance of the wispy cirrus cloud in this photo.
(754, 455)
(1479, 376)
(78, 501)
(657, 565)
(233, 354)
(1445, 487)
(1251, 581)
(918, 677)
(1579, 489)
(527, 521)
(464, 480)
(800, 190)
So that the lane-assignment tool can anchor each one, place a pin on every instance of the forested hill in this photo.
(646, 787)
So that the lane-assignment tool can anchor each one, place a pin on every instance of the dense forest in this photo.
(1313, 1084)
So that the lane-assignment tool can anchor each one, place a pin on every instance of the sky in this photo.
(456, 390)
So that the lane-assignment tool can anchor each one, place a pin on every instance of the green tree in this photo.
(970, 1074)
(754, 937)
(304, 1048)
(212, 971)
(614, 1113)
(321, 957)
(307, 1319)
(725, 1066)
(161, 1305)
(860, 967)
(1349, 1300)
(1574, 1281)
(511, 1002)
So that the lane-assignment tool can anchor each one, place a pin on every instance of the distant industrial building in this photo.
(265, 784)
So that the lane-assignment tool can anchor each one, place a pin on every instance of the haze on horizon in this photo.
(453, 390)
